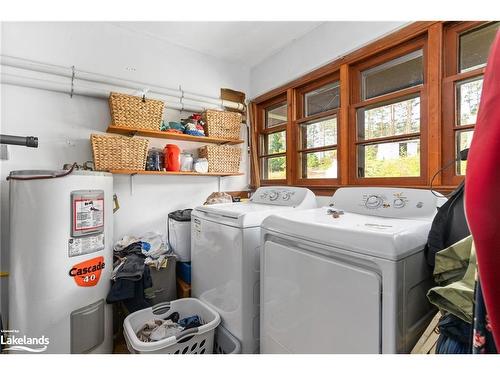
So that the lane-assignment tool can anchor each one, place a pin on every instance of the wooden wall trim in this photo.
(343, 125)
(434, 79)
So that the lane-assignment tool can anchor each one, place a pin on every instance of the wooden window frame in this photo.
(300, 118)
(437, 103)
(452, 77)
(263, 131)
(358, 102)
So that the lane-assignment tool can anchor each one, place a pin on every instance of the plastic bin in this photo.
(225, 343)
(198, 340)
(164, 282)
(179, 233)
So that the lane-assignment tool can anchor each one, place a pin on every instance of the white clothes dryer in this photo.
(349, 278)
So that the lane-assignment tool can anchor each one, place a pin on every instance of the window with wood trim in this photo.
(272, 121)
(390, 113)
(316, 128)
(388, 117)
(467, 46)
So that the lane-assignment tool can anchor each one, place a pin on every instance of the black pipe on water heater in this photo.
(18, 141)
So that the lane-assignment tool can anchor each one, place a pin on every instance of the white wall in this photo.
(323, 44)
(63, 124)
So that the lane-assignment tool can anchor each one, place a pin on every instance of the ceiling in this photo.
(248, 43)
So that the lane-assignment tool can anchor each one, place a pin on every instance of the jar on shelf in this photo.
(186, 162)
(155, 160)
(201, 165)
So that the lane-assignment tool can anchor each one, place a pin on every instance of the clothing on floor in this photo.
(132, 282)
(131, 292)
(130, 267)
(454, 336)
(457, 297)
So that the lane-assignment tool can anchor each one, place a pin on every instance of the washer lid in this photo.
(243, 214)
(381, 237)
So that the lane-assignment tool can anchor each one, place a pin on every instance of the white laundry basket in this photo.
(225, 343)
(199, 340)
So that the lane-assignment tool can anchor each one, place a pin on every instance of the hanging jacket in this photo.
(449, 225)
(456, 297)
(483, 184)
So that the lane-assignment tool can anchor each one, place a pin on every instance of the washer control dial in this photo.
(373, 201)
(273, 195)
(399, 203)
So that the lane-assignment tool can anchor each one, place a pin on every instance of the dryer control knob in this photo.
(273, 195)
(286, 196)
(373, 201)
(399, 203)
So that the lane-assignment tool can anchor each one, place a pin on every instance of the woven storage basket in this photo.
(130, 111)
(114, 152)
(222, 124)
(221, 159)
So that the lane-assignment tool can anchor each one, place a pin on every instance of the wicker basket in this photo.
(222, 124)
(135, 112)
(115, 152)
(221, 159)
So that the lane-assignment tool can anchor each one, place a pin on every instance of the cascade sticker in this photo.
(87, 273)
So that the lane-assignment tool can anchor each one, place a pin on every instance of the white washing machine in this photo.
(225, 262)
(349, 278)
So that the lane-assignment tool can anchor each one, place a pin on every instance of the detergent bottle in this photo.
(172, 157)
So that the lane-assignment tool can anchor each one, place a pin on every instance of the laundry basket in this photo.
(225, 343)
(199, 340)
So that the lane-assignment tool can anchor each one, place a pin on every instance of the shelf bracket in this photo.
(72, 82)
(131, 183)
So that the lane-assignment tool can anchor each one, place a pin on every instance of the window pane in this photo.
(394, 75)
(276, 142)
(276, 115)
(274, 168)
(464, 139)
(322, 164)
(323, 99)
(468, 96)
(390, 119)
(392, 159)
(319, 133)
(475, 46)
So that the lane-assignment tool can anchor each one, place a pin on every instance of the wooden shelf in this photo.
(161, 173)
(167, 135)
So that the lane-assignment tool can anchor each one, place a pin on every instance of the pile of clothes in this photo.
(193, 125)
(159, 329)
(131, 277)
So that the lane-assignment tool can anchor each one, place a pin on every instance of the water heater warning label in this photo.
(87, 273)
(85, 245)
(88, 214)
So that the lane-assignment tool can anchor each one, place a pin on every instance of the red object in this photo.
(172, 157)
(87, 273)
(482, 188)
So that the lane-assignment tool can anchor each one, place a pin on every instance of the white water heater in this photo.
(61, 234)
